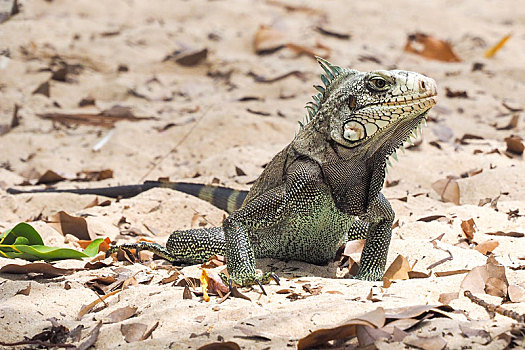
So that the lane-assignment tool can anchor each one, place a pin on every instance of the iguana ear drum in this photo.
(353, 131)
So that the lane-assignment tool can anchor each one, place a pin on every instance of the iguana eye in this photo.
(378, 83)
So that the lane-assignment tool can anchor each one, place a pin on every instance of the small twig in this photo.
(449, 257)
(491, 308)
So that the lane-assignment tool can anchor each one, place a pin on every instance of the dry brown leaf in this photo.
(150, 331)
(46, 269)
(515, 144)
(435, 342)
(354, 247)
(189, 58)
(417, 274)
(186, 293)
(375, 319)
(171, 278)
(268, 40)
(487, 246)
(43, 89)
(368, 335)
(94, 175)
(133, 332)
(448, 189)
(73, 225)
(50, 177)
(494, 49)
(25, 291)
(489, 278)
(229, 345)
(398, 270)
(429, 47)
(516, 293)
(416, 311)
(214, 261)
(431, 218)
(507, 234)
(468, 227)
(91, 305)
(450, 273)
(446, 298)
(121, 314)
(511, 125)
(91, 339)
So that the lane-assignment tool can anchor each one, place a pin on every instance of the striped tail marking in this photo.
(223, 198)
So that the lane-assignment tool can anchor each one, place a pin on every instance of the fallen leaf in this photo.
(448, 189)
(43, 89)
(171, 278)
(375, 319)
(429, 47)
(368, 335)
(354, 247)
(417, 274)
(435, 342)
(450, 273)
(91, 339)
(398, 270)
(150, 331)
(332, 33)
(512, 123)
(487, 246)
(229, 345)
(312, 290)
(72, 225)
(494, 49)
(252, 334)
(50, 177)
(446, 298)
(121, 314)
(187, 294)
(188, 58)
(268, 40)
(214, 261)
(319, 50)
(431, 218)
(133, 332)
(46, 269)
(25, 291)
(468, 227)
(506, 234)
(91, 305)
(455, 93)
(94, 175)
(516, 293)
(489, 278)
(515, 144)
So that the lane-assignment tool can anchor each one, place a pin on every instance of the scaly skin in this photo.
(324, 187)
(320, 190)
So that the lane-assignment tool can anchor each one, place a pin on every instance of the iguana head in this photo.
(371, 111)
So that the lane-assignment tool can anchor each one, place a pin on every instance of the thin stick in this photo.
(155, 165)
(491, 308)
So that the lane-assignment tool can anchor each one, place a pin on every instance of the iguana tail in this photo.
(223, 198)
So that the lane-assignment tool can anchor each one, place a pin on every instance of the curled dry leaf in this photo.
(374, 319)
(133, 332)
(214, 261)
(487, 246)
(515, 144)
(446, 298)
(25, 291)
(50, 177)
(468, 227)
(229, 345)
(429, 47)
(398, 270)
(435, 342)
(43, 268)
(268, 40)
(448, 189)
(73, 225)
(516, 293)
(489, 278)
(121, 314)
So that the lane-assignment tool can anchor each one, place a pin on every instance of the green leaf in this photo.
(24, 242)
(21, 230)
(92, 249)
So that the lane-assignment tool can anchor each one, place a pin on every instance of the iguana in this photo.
(323, 188)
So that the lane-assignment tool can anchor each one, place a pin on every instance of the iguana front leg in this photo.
(380, 217)
(269, 209)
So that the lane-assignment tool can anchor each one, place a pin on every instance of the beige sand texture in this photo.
(213, 122)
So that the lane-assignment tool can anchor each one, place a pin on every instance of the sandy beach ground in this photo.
(203, 105)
